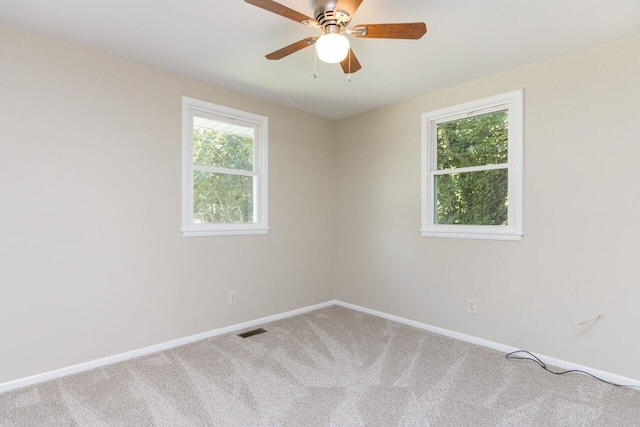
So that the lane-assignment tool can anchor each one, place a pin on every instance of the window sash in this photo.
(230, 121)
(190, 228)
(225, 170)
(471, 169)
(226, 206)
(512, 102)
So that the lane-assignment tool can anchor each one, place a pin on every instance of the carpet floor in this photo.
(330, 367)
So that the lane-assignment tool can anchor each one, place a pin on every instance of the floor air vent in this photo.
(252, 333)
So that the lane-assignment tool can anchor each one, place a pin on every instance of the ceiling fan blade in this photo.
(414, 30)
(349, 6)
(281, 10)
(292, 48)
(350, 64)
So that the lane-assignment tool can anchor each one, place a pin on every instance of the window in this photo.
(224, 163)
(472, 169)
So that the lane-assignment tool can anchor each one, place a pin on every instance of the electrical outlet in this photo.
(472, 306)
(232, 298)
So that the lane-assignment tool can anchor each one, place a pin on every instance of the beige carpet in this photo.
(331, 367)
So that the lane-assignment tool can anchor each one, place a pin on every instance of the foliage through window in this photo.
(225, 170)
(472, 169)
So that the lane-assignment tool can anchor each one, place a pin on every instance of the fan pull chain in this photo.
(315, 64)
(349, 75)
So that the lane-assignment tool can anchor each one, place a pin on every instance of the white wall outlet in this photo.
(472, 306)
(232, 297)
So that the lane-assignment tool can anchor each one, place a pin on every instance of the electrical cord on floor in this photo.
(535, 359)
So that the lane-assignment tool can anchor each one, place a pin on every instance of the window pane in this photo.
(223, 145)
(222, 198)
(476, 141)
(472, 198)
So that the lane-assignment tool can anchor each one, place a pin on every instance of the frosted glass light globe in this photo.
(332, 47)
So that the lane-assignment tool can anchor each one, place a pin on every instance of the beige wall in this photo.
(92, 263)
(581, 249)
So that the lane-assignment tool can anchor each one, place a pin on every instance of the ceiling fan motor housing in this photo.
(327, 16)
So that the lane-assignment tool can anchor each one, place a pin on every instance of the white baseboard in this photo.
(46, 376)
(607, 376)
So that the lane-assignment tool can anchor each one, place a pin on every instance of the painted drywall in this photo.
(579, 253)
(92, 262)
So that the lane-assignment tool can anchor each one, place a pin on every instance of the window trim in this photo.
(511, 101)
(191, 106)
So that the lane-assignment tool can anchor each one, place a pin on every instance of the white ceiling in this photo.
(224, 42)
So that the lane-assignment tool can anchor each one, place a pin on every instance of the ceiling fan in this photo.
(332, 18)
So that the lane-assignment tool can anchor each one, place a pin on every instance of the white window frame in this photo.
(191, 107)
(511, 101)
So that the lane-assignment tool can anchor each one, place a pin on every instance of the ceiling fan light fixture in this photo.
(332, 17)
(332, 47)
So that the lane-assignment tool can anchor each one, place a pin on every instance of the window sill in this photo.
(482, 236)
(227, 232)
